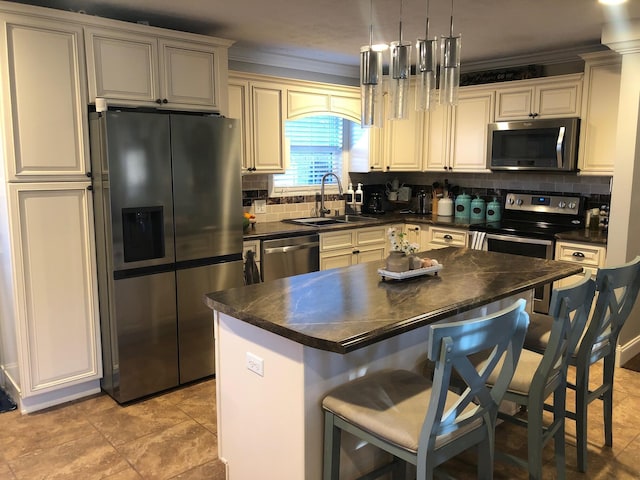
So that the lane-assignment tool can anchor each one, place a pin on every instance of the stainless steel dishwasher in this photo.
(284, 257)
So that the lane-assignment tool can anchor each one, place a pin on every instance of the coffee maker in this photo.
(373, 205)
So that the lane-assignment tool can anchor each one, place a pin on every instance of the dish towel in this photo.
(251, 271)
(477, 240)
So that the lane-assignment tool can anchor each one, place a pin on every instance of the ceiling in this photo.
(326, 35)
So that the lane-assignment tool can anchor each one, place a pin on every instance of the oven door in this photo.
(529, 247)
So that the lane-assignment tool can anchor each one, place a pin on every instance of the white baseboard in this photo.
(57, 397)
(626, 352)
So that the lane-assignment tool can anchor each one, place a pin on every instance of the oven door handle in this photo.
(511, 238)
(559, 143)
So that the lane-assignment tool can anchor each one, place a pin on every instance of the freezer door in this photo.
(195, 319)
(138, 183)
(206, 186)
(143, 337)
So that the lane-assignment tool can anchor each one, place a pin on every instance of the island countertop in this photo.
(344, 309)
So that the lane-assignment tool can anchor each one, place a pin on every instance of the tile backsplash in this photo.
(595, 188)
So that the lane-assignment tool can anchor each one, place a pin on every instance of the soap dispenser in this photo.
(350, 198)
(358, 195)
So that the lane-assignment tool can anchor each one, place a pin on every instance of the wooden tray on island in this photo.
(418, 272)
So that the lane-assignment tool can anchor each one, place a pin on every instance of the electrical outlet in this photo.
(255, 364)
(260, 206)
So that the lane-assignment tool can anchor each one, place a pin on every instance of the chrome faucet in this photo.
(324, 211)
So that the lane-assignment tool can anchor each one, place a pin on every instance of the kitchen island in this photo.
(280, 346)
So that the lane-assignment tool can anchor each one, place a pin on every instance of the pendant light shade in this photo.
(371, 81)
(399, 76)
(399, 80)
(450, 66)
(371, 87)
(426, 66)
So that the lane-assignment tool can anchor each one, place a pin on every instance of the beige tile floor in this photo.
(173, 436)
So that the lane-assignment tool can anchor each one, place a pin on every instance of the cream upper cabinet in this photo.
(131, 68)
(45, 115)
(267, 128)
(541, 98)
(599, 113)
(457, 136)
(403, 140)
(342, 101)
(260, 107)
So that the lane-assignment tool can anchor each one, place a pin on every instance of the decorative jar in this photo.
(397, 262)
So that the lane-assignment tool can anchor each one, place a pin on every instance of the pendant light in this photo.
(450, 66)
(371, 81)
(399, 76)
(426, 65)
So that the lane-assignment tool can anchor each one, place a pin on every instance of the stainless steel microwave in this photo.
(537, 145)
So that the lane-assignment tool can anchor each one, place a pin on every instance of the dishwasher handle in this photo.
(291, 248)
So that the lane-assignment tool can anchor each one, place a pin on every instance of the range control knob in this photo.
(510, 201)
(519, 202)
(572, 205)
(562, 204)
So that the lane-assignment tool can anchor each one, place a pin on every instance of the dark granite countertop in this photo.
(343, 309)
(269, 230)
(584, 236)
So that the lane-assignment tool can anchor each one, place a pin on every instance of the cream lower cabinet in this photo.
(588, 255)
(260, 107)
(440, 237)
(54, 293)
(348, 247)
(418, 234)
(131, 67)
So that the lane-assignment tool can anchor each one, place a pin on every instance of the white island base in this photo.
(270, 425)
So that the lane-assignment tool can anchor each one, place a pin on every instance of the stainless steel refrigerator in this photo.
(168, 222)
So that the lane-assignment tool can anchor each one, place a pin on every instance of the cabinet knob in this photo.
(355, 251)
(88, 174)
(164, 100)
(578, 254)
(388, 168)
(90, 188)
(158, 101)
(447, 237)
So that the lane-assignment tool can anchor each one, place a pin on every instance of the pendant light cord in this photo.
(400, 33)
(426, 26)
(371, 24)
(451, 24)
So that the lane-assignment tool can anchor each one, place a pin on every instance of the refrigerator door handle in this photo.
(291, 248)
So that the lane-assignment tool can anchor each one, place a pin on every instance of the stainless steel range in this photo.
(528, 227)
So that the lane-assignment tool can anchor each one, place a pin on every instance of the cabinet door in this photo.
(469, 131)
(190, 75)
(371, 254)
(267, 127)
(514, 103)
(45, 127)
(598, 127)
(403, 140)
(447, 237)
(438, 139)
(341, 258)
(122, 66)
(558, 99)
(239, 109)
(54, 261)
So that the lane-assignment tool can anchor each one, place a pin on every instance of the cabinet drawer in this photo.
(584, 254)
(447, 237)
(368, 236)
(336, 240)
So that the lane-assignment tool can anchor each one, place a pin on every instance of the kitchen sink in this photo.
(323, 221)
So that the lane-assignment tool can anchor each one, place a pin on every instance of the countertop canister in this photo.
(445, 207)
(463, 206)
(477, 209)
(493, 211)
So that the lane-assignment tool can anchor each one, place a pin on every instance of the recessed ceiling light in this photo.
(611, 2)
